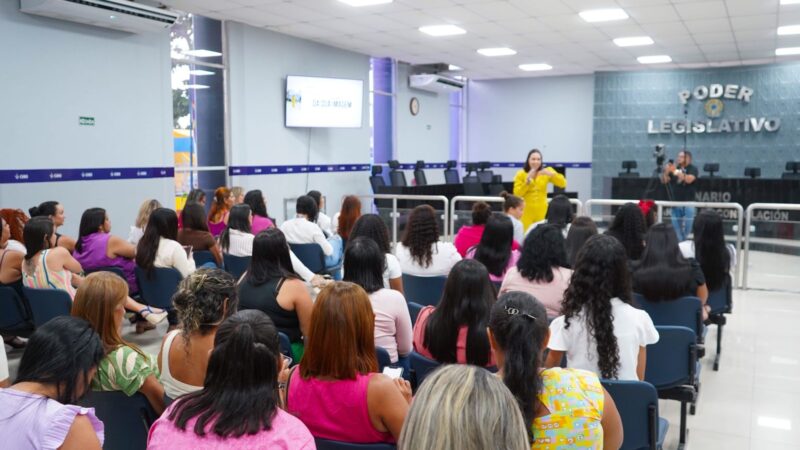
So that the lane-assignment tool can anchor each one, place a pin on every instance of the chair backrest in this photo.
(485, 176)
(629, 175)
(15, 314)
(685, 312)
(157, 290)
(47, 303)
(413, 311)
(203, 257)
(376, 181)
(384, 360)
(310, 255)
(126, 419)
(421, 367)
(637, 402)
(423, 290)
(236, 265)
(398, 178)
(419, 177)
(721, 300)
(473, 186)
(672, 360)
(451, 176)
(113, 269)
(325, 444)
(790, 176)
(285, 344)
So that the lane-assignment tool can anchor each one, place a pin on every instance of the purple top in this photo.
(93, 256)
(35, 421)
(216, 228)
(260, 223)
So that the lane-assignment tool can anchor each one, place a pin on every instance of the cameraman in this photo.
(681, 178)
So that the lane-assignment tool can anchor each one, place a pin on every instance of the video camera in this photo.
(659, 154)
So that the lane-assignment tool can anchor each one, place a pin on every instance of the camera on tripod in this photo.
(659, 154)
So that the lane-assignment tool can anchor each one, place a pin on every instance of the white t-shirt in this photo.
(633, 328)
(324, 222)
(240, 243)
(300, 231)
(444, 257)
(393, 269)
(687, 249)
(16, 246)
(171, 254)
(135, 234)
(519, 229)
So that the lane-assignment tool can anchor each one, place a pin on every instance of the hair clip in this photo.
(516, 312)
(199, 283)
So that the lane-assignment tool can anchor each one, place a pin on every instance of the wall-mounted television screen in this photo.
(323, 102)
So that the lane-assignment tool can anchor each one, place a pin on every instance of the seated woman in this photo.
(628, 227)
(261, 221)
(220, 207)
(159, 246)
(97, 248)
(55, 212)
(101, 301)
(372, 226)
(600, 331)
(455, 330)
(204, 299)
(195, 232)
(236, 239)
(321, 219)
(541, 270)
(196, 196)
(715, 257)
(337, 373)
(39, 409)
(558, 405)
(142, 217)
(495, 250)
(559, 213)
(581, 230)
(663, 274)
(237, 192)
(364, 264)
(514, 207)
(420, 252)
(49, 267)
(344, 220)
(303, 230)
(16, 220)
(468, 236)
(272, 286)
(10, 261)
(457, 398)
(233, 412)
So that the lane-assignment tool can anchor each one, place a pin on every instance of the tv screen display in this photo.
(323, 102)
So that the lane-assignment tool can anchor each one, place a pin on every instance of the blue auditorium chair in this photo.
(637, 402)
(423, 290)
(47, 303)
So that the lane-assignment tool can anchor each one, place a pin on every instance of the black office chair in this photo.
(628, 165)
(396, 175)
(419, 174)
(752, 172)
(792, 171)
(450, 173)
(376, 179)
(485, 176)
(711, 169)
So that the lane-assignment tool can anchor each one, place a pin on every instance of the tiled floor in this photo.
(753, 401)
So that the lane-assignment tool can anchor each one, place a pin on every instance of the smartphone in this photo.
(188, 250)
(393, 372)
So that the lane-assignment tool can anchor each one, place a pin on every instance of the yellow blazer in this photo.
(535, 194)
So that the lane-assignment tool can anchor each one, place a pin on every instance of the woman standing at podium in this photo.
(530, 183)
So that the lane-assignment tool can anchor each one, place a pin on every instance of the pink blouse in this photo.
(461, 341)
(260, 224)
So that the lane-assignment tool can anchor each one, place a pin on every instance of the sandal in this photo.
(152, 317)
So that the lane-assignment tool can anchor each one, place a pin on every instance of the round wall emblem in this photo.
(714, 107)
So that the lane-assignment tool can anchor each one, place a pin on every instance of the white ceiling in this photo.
(695, 33)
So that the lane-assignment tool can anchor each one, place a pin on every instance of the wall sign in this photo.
(86, 121)
(714, 97)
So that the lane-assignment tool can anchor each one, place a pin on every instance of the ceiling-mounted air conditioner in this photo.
(120, 15)
(435, 83)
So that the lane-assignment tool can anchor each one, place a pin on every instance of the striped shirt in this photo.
(124, 369)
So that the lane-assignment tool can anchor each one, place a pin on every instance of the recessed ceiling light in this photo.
(535, 67)
(202, 53)
(454, 67)
(603, 15)
(654, 59)
(786, 51)
(790, 2)
(497, 51)
(788, 30)
(442, 30)
(112, 17)
(358, 3)
(634, 41)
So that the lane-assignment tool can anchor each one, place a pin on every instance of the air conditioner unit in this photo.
(435, 83)
(116, 14)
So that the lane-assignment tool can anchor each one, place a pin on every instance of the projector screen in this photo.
(323, 102)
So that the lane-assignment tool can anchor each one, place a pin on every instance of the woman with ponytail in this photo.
(559, 405)
(600, 331)
(238, 405)
(220, 208)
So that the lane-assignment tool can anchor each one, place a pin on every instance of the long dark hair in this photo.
(710, 249)
(271, 258)
(628, 227)
(468, 295)
(255, 199)
(163, 222)
(600, 274)
(364, 263)
(307, 206)
(197, 196)
(542, 251)
(240, 391)
(519, 326)
(61, 353)
(91, 220)
(559, 212)
(662, 273)
(193, 217)
(527, 167)
(582, 228)
(373, 227)
(239, 220)
(45, 209)
(36, 235)
(494, 249)
(422, 231)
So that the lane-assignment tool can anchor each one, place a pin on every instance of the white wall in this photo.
(259, 61)
(51, 73)
(507, 118)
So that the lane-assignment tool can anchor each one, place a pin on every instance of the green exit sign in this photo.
(86, 121)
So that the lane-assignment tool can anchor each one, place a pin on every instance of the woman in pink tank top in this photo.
(335, 390)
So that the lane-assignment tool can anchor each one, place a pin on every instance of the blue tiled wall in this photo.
(625, 101)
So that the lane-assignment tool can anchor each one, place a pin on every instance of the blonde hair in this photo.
(464, 407)
(236, 191)
(147, 208)
(201, 300)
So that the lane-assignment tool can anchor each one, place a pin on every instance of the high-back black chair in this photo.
(126, 419)
(326, 444)
(236, 265)
(637, 402)
(451, 176)
(159, 286)
(423, 290)
(376, 179)
(15, 313)
(397, 177)
(473, 186)
(485, 176)
(47, 303)
(792, 171)
(419, 177)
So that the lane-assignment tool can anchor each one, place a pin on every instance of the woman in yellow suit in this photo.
(530, 183)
